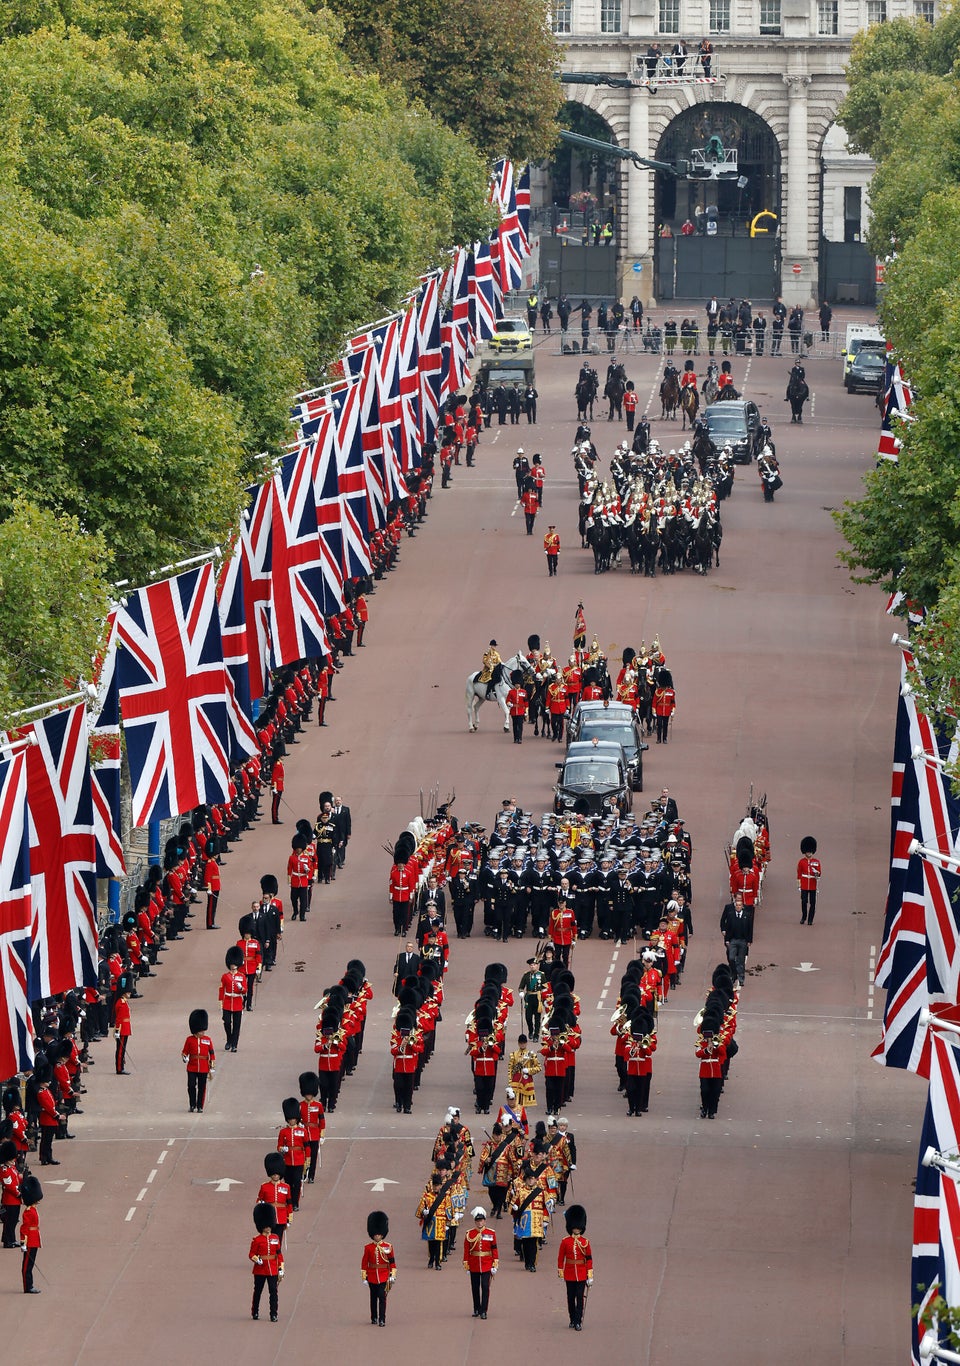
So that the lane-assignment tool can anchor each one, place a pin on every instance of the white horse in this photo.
(476, 693)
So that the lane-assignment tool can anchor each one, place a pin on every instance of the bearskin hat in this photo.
(274, 1165)
(331, 1017)
(722, 976)
(497, 972)
(533, 642)
(291, 1109)
(404, 848)
(410, 996)
(745, 851)
(516, 676)
(309, 1084)
(406, 1019)
(198, 1022)
(299, 842)
(31, 1191)
(575, 1218)
(130, 921)
(323, 798)
(264, 1217)
(8, 1151)
(378, 1225)
(234, 956)
(808, 845)
(357, 967)
(245, 925)
(269, 884)
(642, 1021)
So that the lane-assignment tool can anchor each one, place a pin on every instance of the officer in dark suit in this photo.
(736, 926)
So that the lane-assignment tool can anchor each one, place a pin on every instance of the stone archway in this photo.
(574, 173)
(726, 261)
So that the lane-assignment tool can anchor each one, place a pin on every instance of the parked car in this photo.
(735, 423)
(595, 775)
(866, 368)
(618, 723)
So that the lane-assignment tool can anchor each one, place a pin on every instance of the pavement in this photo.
(781, 1231)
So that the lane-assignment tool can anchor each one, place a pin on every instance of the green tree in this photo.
(486, 67)
(52, 578)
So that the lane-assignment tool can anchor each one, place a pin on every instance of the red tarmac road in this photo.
(781, 1231)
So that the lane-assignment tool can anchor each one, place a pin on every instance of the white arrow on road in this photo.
(223, 1183)
(381, 1184)
(72, 1186)
(806, 967)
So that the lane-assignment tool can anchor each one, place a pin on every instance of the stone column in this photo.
(637, 208)
(797, 287)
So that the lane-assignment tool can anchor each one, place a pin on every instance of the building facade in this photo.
(769, 97)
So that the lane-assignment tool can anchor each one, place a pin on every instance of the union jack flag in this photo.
(16, 1022)
(919, 962)
(455, 330)
(105, 760)
(523, 209)
(256, 536)
(409, 381)
(237, 650)
(173, 696)
(936, 1211)
(485, 299)
(328, 501)
(63, 855)
(509, 247)
(352, 481)
(374, 360)
(299, 594)
(430, 362)
(897, 398)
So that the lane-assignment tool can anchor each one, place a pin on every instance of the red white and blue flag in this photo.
(63, 855)
(16, 1023)
(936, 1219)
(105, 760)
(408, 370)
(173, 696)
(486, 299)
(430, 361)
(300, 597)
(256, 540)
(897, 399)
(523, 209)
(456, 332)
(237, 650)
(509, 246)
(328, 502)
(345, 403)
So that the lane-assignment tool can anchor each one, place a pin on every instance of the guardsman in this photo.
(664, 705)
(300, 875)
(517, 704)
(403, 885)
(406, 1045)
(481, 1259)
(122, 1028)
(484, 1050)
(575, 1263)
(233, 990)
(378, 1265)
(528, 501)
(557, 702)
(551, 548)
(330, 1046)
(249, 947)
(562, 929)
(31, 1193)
(267, 1257)
(554, 1052)
(292, 1144)
(9, 1192)
(199, 1055)
(712, 1054)
(211, 882)
(688, 380)
(808, 876)
(313, 1119)
(276, 784)
(275, 1192)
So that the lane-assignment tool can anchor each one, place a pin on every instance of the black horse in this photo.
(797, 393)
(586, 395)
(614, 390)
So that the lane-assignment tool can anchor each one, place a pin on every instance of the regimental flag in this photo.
(409, 382)
(63, 855)
(299, 594)
(430, 361)
(936, 1220)
(237, 651)
(352, 481)
(256, 536)
(897, 398)
(173, 696)
(326, 494)
(105, 760)
(16, 1023)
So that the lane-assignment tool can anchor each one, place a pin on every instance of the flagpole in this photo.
(83, 695)
(10, 747)
(212, 554)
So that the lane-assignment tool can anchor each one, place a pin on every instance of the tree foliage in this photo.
(904, 532)
(198, 200)
(486, 67)
(52, 576)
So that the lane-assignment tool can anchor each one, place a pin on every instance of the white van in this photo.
(857, 334)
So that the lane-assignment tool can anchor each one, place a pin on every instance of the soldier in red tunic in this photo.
(481, 1259)
(200, 1058)
(122, 1028)
(9, 1192)
(31, 1193)
(267, 1258)
(575, 1263)
(378, 1265)
(292, 1144)
(551, 548)
(233, 990)
(313, 1118)
(517, 704)
(808, 875)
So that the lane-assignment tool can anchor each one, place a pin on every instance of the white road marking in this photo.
(130, 1213)
(141, 1195)
(871, 973)
(151, 1177)
(163, 1156)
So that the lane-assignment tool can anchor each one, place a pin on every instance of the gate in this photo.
(579, 272)
(696, 267)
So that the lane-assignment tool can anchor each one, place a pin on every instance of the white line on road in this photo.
(871, 973)
(141, 1195)
(150, 1178)
(130, 1213)
(163, 1156)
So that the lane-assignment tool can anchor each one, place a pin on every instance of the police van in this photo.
(857, 335)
